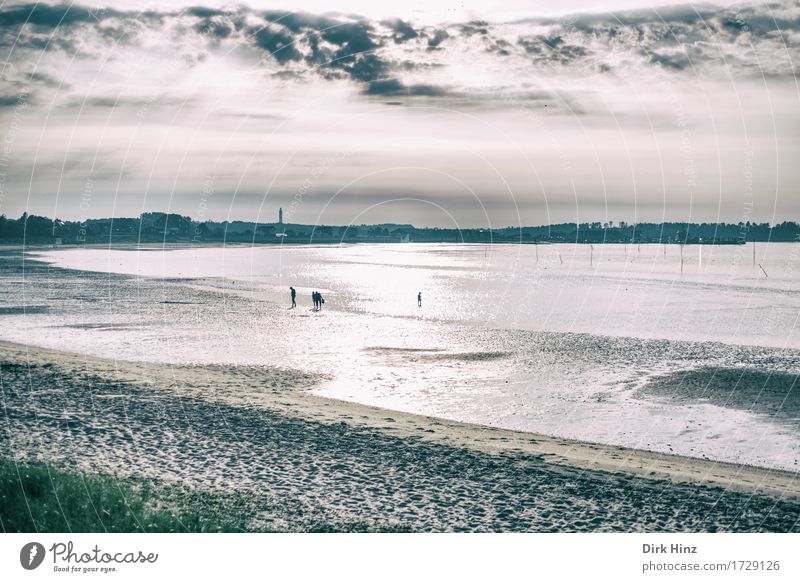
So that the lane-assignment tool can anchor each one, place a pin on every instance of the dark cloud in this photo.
(551, 42)
(52, 16)
(204, 12)
(116, 102)
(744, 39)
(320, 55)
(758, 18)
(703, 37)
(63, 27)
(287, 75)
(352, 37)
(412, 66)
(218, 24)
(437, 39)
(100, 102)
(483, 32)
(402, 30)
(300, 21)
(334, 48)
(479, 27)
(11, 100)
(48, 80)
(368, 68)
(498, 46)
(677, 62)
(49, 16)
(278, 43)
(10, 39)
(395, 88)
(214, 27)
(552, 49)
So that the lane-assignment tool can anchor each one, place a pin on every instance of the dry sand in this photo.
(258, 429)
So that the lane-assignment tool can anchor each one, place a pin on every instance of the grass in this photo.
(35, 497)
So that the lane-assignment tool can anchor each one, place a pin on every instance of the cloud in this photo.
(204, 12)
(279, 44)
(214, 27)
(351, 37)
(396, 88)
(552, 49)
(329, 46)
(402, 30)
(397, 57)
(89, 102)
(10, 100)
(743, 39)
(367, 68)
(48, 80)
(676, 61)
(437, 39)
(477, 27)
(52, 16)
(300, 21)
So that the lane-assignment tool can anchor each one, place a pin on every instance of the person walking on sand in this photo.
(314, 299)
(294, 296)
(321, 301)
(419, 299)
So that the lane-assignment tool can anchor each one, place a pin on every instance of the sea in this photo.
(691, 350)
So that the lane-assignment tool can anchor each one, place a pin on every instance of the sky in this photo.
(464, 114)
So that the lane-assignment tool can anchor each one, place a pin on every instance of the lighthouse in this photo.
(280, 215)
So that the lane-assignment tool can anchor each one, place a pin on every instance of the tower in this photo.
(280, 215)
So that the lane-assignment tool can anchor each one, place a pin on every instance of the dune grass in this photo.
(35, 497)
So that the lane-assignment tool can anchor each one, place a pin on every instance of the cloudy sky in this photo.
(472, 113)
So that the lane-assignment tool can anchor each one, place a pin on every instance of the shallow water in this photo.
(590, 343)
(626, 290)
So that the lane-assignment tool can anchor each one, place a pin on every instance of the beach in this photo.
(306, 461)
(206, 386)
(630, 352)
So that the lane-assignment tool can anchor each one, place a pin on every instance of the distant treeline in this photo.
(158, 227)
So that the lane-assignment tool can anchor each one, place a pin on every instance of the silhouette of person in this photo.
(294, 295)
(419, 299)
(314, 299)
(320, 299)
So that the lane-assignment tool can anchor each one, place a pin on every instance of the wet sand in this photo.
(258, 430)
(672, 397)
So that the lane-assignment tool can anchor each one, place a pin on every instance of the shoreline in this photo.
(190, 244)
(238, 387)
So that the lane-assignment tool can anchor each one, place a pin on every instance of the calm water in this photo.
(570, 340)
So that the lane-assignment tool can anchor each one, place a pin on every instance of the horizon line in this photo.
(604, 224)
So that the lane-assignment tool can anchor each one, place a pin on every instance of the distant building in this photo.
(280, 215)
